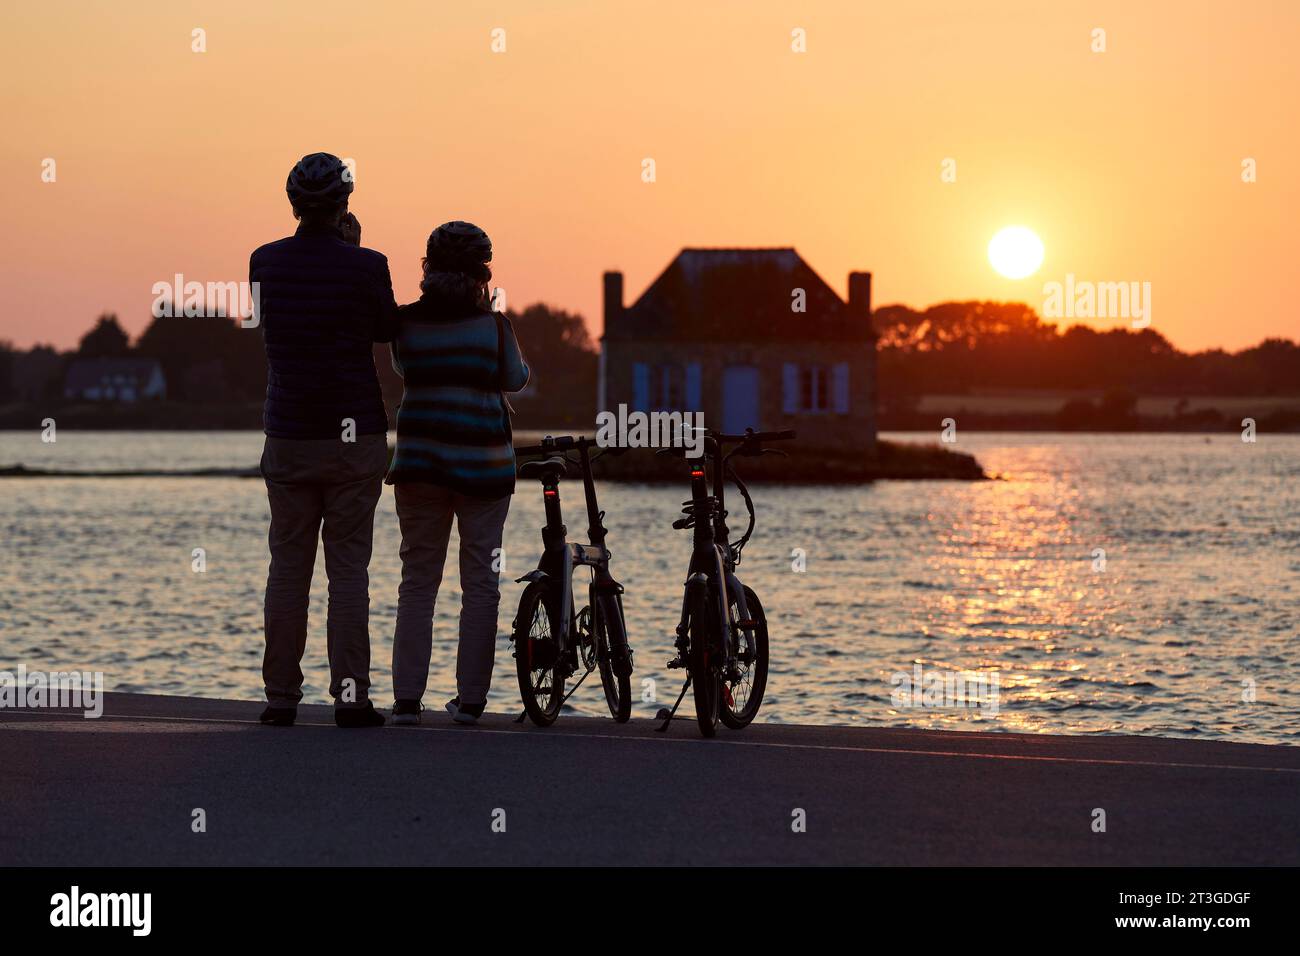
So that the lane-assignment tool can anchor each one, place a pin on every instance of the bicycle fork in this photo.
(696, 594)
(606, 601)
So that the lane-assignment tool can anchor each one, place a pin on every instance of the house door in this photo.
(739, 398)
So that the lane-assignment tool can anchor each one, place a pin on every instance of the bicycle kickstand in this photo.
(667, 720)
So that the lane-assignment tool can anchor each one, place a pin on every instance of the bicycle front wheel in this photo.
(703, 662)
(742, 691)
(618, 689)
(537, 656)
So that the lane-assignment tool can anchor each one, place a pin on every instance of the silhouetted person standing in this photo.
(455, 460)
(324, 302)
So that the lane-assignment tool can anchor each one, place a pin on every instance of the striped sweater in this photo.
(453, 428)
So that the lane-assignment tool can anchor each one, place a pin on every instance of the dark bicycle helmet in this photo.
(319, 180)
(460, 247)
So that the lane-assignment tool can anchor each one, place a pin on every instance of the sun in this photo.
(1016, 252)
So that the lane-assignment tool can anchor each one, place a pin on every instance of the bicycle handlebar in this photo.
(752, 436)
(552, 444)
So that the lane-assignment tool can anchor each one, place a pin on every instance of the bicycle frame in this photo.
(711, 556)
(712, 577)
(560, 557)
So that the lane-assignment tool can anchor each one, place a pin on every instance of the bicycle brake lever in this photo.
(774, 451)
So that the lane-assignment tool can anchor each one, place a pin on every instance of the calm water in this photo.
(1198, 597)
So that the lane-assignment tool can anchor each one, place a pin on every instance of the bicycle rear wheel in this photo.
(703, 662)
(742, 695)
(537, 658)
(618, 689)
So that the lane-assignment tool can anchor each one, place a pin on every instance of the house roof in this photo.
(91, 373)
(738, 295)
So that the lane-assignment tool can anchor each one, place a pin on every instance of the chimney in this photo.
(860, 296)
(613, 300)
(860, 312)
(613, 312)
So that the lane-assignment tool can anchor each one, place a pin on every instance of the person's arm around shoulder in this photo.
(386, 317)
(395, 349)
(515, 373)
(384, 321)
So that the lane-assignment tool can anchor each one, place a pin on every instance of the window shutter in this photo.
(840, 388)
(790, 388)
(640, 387)
(693, 400)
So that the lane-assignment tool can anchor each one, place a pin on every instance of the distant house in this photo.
(720, 331)
(114, 380)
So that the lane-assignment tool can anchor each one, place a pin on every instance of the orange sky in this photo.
(1126, 163)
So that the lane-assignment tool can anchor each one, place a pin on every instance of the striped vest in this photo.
(453, 428)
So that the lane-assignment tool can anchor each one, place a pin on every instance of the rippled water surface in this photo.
(1197, 602)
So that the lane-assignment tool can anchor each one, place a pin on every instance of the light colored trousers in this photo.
(320, 489)
(425, 512)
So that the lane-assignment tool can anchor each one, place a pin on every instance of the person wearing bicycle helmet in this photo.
(454, 459)
(324, 300)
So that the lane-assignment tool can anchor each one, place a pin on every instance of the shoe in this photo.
(365, 716)
(406, 711)
(464, 713)
(279, 716)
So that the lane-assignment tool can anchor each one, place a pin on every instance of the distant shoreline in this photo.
(22, 471)
(972, 413)
(903, 461)
(927, 427)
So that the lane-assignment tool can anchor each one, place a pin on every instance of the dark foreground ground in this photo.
(122, 790)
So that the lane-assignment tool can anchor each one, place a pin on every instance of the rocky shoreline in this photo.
(892, 461)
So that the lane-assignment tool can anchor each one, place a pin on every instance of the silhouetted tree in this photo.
(106, 340)
(206, 358)
(956, 346)
(6, 370)
(37, 374)
(563, 362)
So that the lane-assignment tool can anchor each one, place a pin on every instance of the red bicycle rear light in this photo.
(550, 492)
(697, 474)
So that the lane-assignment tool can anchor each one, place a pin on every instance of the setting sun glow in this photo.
(1016, 252)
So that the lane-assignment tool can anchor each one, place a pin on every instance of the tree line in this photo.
(213, 361)
(950, 348)
(958, 346)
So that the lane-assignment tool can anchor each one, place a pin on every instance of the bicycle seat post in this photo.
(554, 532)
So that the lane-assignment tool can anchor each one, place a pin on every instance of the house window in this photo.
(666, 388)
(814, 389)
